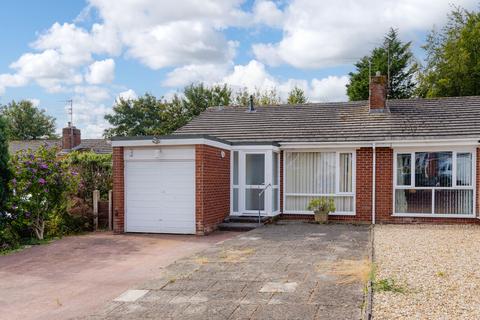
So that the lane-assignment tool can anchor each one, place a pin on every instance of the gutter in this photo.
(374, 169)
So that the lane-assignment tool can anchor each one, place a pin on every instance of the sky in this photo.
(95, 51)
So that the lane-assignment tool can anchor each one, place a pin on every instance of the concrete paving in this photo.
(78, 275)
(283, 271)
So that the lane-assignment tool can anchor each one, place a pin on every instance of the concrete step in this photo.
(239, 226)
(251, 219)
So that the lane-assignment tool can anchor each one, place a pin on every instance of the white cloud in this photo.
(318, 34)
(101, 72)
(127, 95)
(11, 80)
(266, 12)
(35, 102)
(252, 75)
(93, 93)
(195, 73)
(89, 116)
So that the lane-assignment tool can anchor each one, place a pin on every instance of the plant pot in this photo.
(321, 216)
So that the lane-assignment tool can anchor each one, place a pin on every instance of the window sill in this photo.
(311, 213)
(418, 215)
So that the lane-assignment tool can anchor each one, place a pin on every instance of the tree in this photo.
(27, 122)
(42, 188)
(296, 96)
(453, 57)
(5, 173)
(393, 57)
(198, 97)
(136, 117)
(260, 97)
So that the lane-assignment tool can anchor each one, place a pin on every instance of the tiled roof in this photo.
(408, 119)
(101, 146)
(17, 145)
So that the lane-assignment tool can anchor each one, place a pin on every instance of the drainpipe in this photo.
(374, 168)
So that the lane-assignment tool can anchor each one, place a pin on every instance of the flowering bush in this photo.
(41, 186)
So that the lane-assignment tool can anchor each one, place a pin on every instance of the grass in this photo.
(348, 271)
(26, 243)
(234, 256)
(388, 285)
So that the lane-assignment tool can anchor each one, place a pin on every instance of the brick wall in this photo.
(118, 193)
(212, 180)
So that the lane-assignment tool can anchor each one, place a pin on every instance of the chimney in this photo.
(378, 93)
(70, 137)
(251, 107)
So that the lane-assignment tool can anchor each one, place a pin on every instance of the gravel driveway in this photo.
(435, 268)
(287, 271)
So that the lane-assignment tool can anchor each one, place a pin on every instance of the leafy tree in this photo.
(137, 117)
(403, 69)
(296, 96)
(27, 122)
(41, 188)
(198, 97)
(260, 98)
(5, 173)
(453, 57)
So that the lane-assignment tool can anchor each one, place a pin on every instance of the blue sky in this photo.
(94, 51)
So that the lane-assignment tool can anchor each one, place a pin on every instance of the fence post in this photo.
(96, 197)
(110, 204)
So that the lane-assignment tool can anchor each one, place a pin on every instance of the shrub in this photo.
(95, 172)
(323, 204)
(42, 186)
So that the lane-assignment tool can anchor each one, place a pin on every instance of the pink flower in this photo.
(42, 181)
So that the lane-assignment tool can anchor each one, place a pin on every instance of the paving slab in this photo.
(281, 271)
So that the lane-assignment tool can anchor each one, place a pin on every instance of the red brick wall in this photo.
(118, 193)
(212, 180)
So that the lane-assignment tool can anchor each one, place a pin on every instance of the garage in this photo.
(160, 190)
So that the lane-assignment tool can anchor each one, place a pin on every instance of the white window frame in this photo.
(454, 186)
(267, 151)
(337, 182)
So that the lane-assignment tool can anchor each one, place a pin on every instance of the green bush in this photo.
(42, 187)
(95, 172)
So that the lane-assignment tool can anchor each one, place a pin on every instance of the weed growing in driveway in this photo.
(388, 285)
(348, 271)
(234, 256)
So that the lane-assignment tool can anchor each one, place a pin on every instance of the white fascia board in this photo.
(389, 143)
(169, 142)
(254, 146)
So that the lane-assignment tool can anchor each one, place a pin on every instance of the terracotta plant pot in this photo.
(321, 216)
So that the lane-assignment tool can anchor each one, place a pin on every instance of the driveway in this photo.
(284, 271)
(77, 275)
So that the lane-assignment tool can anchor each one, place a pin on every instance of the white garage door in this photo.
(160, 196)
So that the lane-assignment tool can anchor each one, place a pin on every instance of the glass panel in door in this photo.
(254, 181)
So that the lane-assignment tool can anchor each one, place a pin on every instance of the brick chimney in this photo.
(70, 137)
(378, 93)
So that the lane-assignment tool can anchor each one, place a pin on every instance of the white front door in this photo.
(160, 196)
(254, 182)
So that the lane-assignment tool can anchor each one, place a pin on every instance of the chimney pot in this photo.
(251, 107)
(378, 93)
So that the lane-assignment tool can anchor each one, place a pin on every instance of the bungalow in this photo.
(395, 161)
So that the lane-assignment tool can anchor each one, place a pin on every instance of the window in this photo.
(310, 175)
(439, 183)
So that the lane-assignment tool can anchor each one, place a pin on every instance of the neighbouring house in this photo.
(71, 141)
(396, 161)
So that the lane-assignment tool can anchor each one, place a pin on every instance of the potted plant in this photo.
(321, 208)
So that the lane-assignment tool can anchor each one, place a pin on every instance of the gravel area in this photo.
(436, 269)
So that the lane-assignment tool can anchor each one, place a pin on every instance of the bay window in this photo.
(434, 183)
(309, 175)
